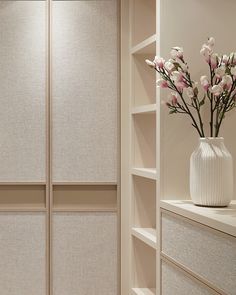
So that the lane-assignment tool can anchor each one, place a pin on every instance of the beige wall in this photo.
(188, 23)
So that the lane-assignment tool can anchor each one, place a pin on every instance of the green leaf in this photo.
(202, 102)
(195, 91)
(176, 65)
(172, 112)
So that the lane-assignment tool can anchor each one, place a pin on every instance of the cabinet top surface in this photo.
(222, 219)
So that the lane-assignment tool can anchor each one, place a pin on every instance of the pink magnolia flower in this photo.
(174, 98)
(162, 83)
(159, 61)
(180, 85)
(177, 52)
(217, 90)
(177, 76)
(184, 67)
(214, 60)
(150, 63)
(169, 66)
(204, 82)
(225, 59)
(233, 71)
(211, 42)
(206, 51)
(220, 72)
(226, 82)
(190, 92)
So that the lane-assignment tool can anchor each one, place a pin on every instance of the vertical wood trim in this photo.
(132, 276)
(125, 153)
(119, 148)
(48, 150)
(159, 159)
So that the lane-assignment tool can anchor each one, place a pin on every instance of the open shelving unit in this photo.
(143, 172)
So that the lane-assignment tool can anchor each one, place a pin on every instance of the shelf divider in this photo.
(150, 173)
(145, 109)
(147, 235)
(143, 291)
(147, 46)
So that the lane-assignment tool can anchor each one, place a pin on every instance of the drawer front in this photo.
(207, 252)
(177, 282)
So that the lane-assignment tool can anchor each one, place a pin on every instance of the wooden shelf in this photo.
(84, 198)
(90, 208)
(74, 183)
(145, 172)
(145, 109)
(143, 291)
(148, 46)
(147, 235)
(23, 183)
(16, 208)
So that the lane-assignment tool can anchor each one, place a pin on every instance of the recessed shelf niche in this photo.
(143, 20)
(85, 198)
(144, 81)
(144, 265)
(144, 191)
(144, 140)
(23, 197)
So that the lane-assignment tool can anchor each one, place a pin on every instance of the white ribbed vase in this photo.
(211, 173)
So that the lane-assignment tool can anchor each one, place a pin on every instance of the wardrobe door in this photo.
(84, 147)
(22, 147)
(85, 78)
(22, 91)
(85, 250)
(22, 253)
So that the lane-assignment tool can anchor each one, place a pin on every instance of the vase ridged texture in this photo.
(211, 173)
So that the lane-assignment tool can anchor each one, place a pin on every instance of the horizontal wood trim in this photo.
(22, 183)
(83, 183)
(22, 197)
(22, 209)
(85, 198)
(83, 209)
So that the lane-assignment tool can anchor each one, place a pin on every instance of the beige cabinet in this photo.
(200, 242)
(207, 252)
(59, 147)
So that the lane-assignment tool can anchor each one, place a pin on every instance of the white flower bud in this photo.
(217, 90)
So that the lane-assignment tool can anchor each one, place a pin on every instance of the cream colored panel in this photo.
(84, 254)
(206, 252)
(22, 91)
(175, 281)
(22, 254)
(85, 90)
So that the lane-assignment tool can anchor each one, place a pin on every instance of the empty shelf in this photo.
(147, 235)
(145, 109)
(143, 291)
(145, 172)
(147, 46)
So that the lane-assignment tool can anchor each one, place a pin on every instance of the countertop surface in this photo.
(222, 219)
